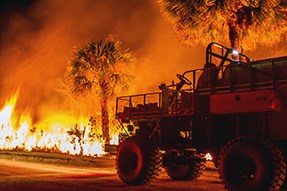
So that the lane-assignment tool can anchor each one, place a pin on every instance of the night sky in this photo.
(32, 16)
(10, 7)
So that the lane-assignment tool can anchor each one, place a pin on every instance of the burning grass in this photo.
(63, 134)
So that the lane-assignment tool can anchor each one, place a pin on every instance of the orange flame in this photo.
(6, 112)
(22, 136)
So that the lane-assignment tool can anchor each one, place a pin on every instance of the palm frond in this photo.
(199, 22)
(81, 85)
(97, 66)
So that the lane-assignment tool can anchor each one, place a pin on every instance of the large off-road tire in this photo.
(137, 163)
(190, 171)
(251, 164)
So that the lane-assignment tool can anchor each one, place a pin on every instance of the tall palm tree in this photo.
(245, 23)
(98, 68)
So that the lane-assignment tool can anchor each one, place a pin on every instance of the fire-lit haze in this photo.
(36, 43)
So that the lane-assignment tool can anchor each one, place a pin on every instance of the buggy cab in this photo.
(171, 100)
(176, 99)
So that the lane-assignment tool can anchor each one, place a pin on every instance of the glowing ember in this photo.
(22, 134)
(208, 156)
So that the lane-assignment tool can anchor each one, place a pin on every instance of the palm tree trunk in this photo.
(233, 35)
(105, 120)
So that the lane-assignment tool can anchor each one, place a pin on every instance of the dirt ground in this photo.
(23, 176)
(47, 172)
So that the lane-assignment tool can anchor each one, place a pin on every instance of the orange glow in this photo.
(115, 140)
(208, 156)
(51, 134)
(6, 112)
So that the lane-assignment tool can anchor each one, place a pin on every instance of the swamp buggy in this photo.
(233, 108)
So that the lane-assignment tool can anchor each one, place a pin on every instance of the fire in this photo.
(115, 140)
(21, 133)
(6, 112)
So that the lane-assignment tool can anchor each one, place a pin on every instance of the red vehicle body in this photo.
(233, 108)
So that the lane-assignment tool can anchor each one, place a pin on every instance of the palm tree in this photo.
(247, 22)
(98, 67)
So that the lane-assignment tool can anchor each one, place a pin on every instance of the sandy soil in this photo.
(22, 176)
(96, 174)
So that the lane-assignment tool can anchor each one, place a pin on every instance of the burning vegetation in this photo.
(18, 132)
(96, 73)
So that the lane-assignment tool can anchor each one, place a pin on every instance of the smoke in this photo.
(162, 58)
(37, 42)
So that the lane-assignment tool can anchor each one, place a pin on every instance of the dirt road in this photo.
(22, 176)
